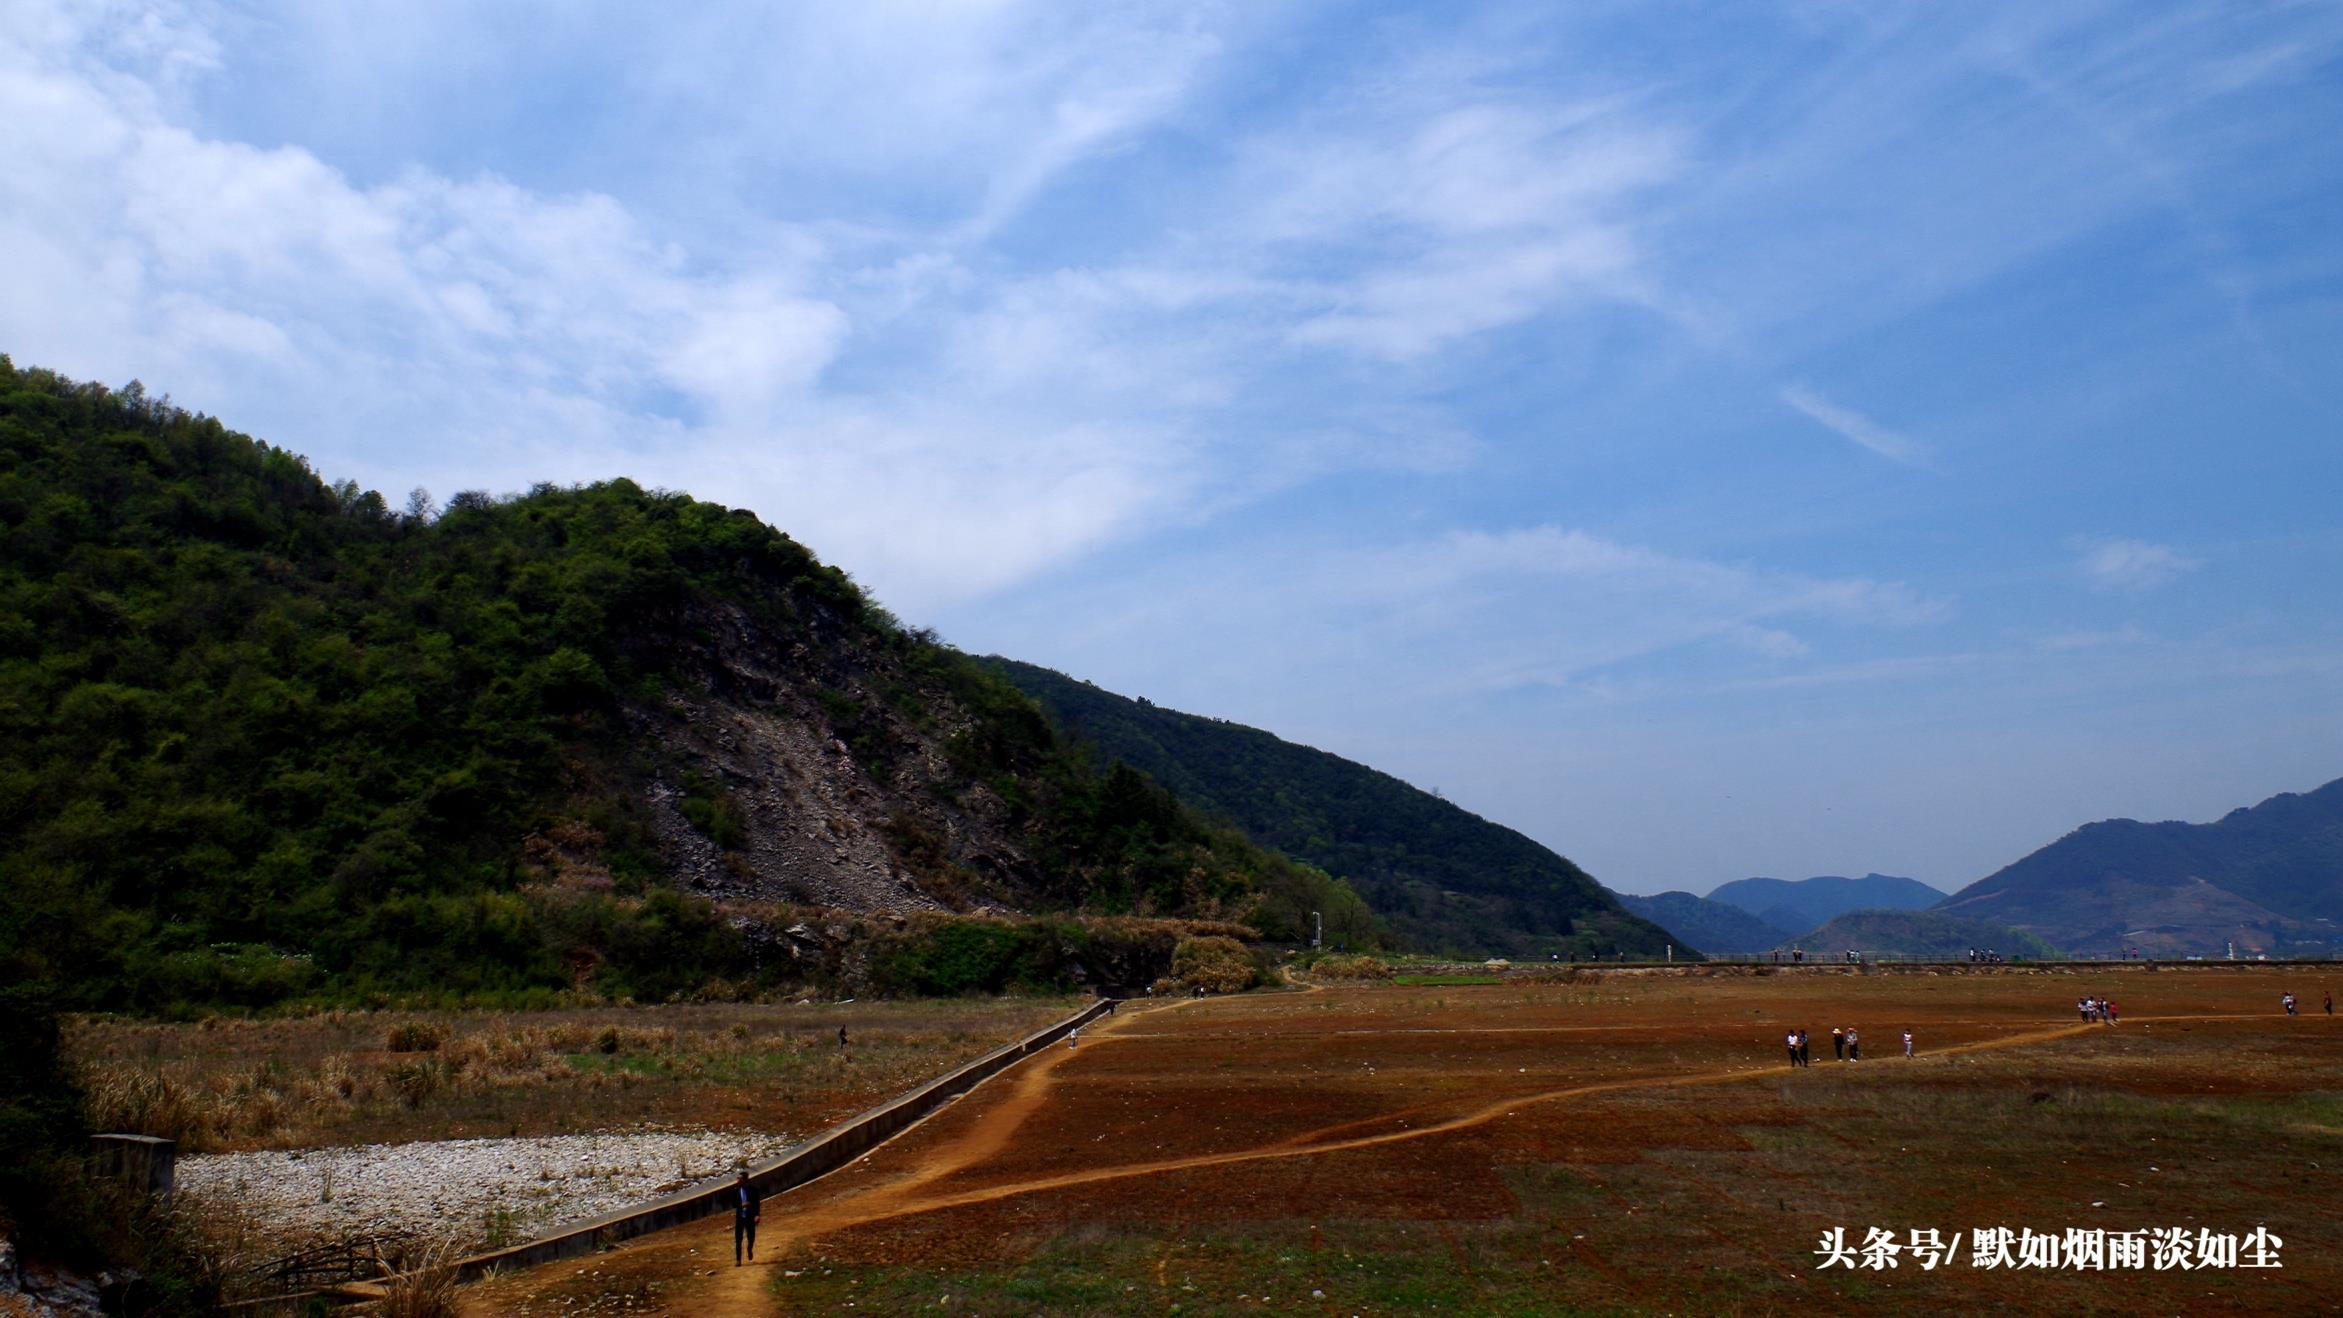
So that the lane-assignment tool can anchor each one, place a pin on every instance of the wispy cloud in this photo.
(1460, 208)
(1855, 427)
(1460, 617)
(2130, 565)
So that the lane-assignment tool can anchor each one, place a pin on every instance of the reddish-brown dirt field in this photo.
(1625, 1142)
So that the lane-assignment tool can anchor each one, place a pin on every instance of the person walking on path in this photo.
(1838, 1043)
(1805, 1047)
(2112, 1014)
(746, 1209)
(1790, 1041)
(2286, 1000)
(1854, 1045)
(2330, 1002)
(1907, 1043)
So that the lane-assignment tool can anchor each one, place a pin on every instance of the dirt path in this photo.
(699, 1279)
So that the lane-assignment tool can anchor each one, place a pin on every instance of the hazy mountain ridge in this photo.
(1443, 878)
(1804, 903)
(2267, 877)
(1709, 925)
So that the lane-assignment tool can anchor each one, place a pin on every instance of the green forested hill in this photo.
(1445, 879)
(262, 735)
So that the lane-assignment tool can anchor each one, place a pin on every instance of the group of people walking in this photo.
(2096, 1009)
(1845, 1044)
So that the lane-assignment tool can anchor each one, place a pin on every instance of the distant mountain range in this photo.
(1800, 904)
(1441, 878)
(1711, 926)
(2264, 880)
(2268, 879)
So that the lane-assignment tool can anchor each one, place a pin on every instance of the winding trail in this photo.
(745, 1292)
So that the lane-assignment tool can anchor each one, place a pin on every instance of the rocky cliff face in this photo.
(822, 777)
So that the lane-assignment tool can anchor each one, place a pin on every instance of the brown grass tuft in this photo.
(415, 1037)
(141, 1102)
(426, 1288)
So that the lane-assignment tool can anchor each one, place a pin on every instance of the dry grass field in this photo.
(1621, 1143)
(352, 1077)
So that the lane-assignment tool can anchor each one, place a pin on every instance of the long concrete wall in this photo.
(819, 1156)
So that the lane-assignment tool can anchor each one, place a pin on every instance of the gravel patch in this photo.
(481, 1191)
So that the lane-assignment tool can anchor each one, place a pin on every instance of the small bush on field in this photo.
(415, 1037)
(335, 1077)
(1213, 964)
(416, 1082)
(1351, 968)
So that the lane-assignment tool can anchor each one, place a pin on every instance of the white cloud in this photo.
(748, 345)
(1854, 427)
(478, 333)
(2130, 565)
(1464, 210)
(896, 393)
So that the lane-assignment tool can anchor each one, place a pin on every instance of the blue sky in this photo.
(1714, 439)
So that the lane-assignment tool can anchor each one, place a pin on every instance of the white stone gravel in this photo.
(474, 1190)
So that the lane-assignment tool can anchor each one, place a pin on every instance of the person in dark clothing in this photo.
(841, 1036)
(1805, 1047)
(2330, 1002)
(1838, 1042)
(746, 1208)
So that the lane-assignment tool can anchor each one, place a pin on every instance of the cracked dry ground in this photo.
(1634, 1143)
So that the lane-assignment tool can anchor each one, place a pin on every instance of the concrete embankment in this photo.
(819, 1156)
